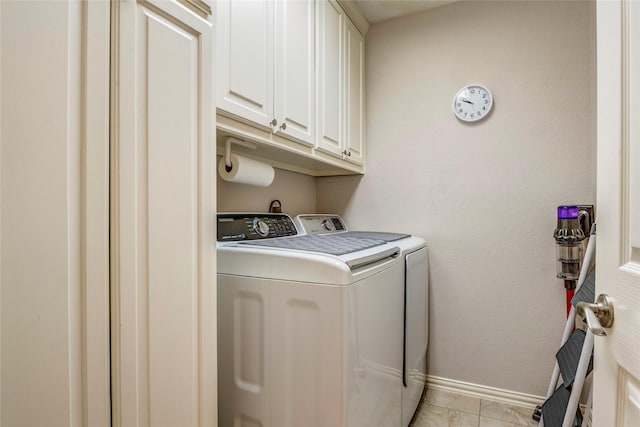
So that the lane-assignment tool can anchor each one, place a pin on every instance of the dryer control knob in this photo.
(260, 227)
(328, 225)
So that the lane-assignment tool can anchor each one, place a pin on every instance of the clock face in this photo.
(472, 103)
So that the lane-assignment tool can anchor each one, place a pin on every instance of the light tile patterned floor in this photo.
(443, 409)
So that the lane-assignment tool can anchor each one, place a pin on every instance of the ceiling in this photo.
(381, 10)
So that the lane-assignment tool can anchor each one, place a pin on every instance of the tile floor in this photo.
(443, 409)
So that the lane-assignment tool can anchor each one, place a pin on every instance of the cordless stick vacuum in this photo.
(574, 225)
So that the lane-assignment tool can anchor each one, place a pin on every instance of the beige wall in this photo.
(297, 193)
(484, 195)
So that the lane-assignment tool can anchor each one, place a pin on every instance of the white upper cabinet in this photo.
(330, 66)
(354, 92)
(294, 69)
(290, 76)
(244, 46)
(266, 64)
(340, 84)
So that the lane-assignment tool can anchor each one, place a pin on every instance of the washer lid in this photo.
(253, 260)
(380, 235)
(333, 244)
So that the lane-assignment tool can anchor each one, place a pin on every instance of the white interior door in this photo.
(617, 357)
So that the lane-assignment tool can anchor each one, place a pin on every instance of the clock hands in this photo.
(471, 103)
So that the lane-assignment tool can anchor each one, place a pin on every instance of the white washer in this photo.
(309, 327)
(416, 299)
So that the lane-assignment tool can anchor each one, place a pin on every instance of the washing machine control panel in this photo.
(320, 224)
(253, 226)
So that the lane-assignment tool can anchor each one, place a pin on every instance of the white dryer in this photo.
(415, 299)
(310, 329)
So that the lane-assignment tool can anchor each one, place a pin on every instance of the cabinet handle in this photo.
(283, 126)
(349, 154)
(274, 122)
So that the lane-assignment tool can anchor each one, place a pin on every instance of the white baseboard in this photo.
(484, 392)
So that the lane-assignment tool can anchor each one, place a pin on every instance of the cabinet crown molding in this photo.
(353, 11)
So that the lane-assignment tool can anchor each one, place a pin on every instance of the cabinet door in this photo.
(294, 69)
(163, 247)
(54, 256)
(330, 66)
(244, 53)
(354, 79)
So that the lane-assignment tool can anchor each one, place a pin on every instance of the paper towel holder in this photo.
(227, 149)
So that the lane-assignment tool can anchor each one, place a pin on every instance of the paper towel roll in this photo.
(246, 171)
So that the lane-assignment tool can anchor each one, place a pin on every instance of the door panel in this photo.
(631, 403)
(245, 59)
(172, 219)
(617, 357)
(354, 79)
(330, 22)
(54, 213)
(295, 74)
(163, 242)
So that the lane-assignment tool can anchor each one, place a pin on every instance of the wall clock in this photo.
(472, 103)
